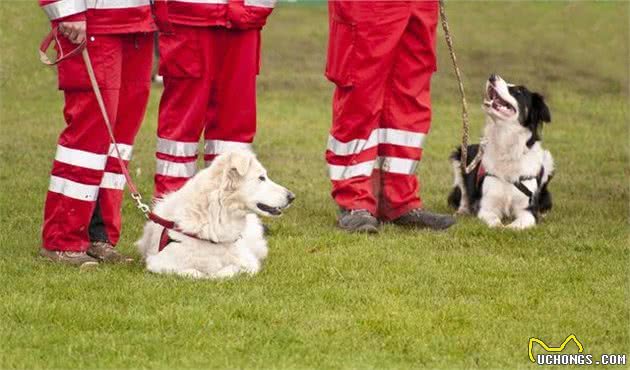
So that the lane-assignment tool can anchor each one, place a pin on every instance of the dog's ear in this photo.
(233, 166)
(239, 163)
(540, 111)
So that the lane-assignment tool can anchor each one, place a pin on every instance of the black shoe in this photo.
(424, 219)
(357, 221)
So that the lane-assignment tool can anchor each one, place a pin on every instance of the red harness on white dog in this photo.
(165, 239)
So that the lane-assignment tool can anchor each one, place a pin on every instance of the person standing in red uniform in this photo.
(82, 215)
(209, 59)
(381, 56)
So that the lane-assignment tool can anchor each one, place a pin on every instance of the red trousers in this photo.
(209, 86)
(84, 198)
(381, 56)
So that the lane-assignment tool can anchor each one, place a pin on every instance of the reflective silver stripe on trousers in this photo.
(125, 151)
(345, 172)
(255, 3)
(400, 137)
(378, 136)
(176, 148)
(80, 158)
(174, 169)
(261, 3)
(72, 189)
(114, 181)
(115, 4)
(214, 147)
(402, 166)
(355, 146)
(396, 165)
(202, 1)
(64, 8)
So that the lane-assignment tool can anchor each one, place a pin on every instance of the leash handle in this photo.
(99, 98)
(45, 45)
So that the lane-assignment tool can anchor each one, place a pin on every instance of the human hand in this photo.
(73, 31)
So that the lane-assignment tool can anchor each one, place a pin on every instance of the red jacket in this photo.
(102, 16)
(239, 14)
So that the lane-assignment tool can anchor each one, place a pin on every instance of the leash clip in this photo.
(141, 205)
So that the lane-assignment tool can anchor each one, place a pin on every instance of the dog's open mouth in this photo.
(274, 211)
(494, 100)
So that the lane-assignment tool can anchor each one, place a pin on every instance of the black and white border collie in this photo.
(512, 178)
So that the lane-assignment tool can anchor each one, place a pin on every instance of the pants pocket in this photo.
(105, 57)
(341, 53)
(180, 53)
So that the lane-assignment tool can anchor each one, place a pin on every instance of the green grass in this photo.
(470, 297)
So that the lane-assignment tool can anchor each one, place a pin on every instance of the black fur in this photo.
(455, 197)
(544, 198)
(471, 183)
(533, 111)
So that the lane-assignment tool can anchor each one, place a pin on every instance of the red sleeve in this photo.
(64, 10)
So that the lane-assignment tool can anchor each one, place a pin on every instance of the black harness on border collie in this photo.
(533, 196)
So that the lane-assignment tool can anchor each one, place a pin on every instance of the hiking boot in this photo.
(425, 219)
(106, 252)
(80, 259)
(357, 221)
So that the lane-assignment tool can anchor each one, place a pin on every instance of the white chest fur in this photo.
(506, 154)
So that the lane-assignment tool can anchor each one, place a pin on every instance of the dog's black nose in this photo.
(493, 78)
(290, 197)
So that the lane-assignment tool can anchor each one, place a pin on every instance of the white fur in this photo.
(458, 180)
(220, 203)
(507, 158)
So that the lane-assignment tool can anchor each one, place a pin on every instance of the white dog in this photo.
(218, 206)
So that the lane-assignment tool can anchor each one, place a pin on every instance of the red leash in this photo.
(135, 194)
(43, 47)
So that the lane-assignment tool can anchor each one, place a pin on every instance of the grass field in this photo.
(466, 298)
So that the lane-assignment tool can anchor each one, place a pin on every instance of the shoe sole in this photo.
(363, 229)
(82, 267)
(422, 227)
(114, 260)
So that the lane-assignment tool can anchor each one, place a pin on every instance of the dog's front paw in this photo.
(490, 219)
(252, 268)
(523, 222)
(227, 272)
(192, 273)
